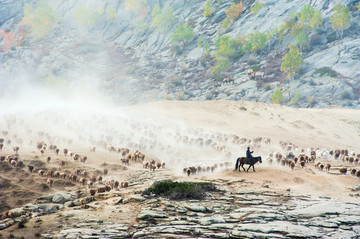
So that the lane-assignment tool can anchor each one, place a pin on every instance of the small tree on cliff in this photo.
(340, 19)
(292, 61)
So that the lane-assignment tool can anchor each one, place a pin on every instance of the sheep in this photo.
(16, 149)
(90, 183)
(61, 163)
(188, 171)
(358, 174)
(302, 163)
(125, 161)
(56, 174)
(249, 71)
(343, 170)
(327, 167)
(99, 178)
(92, 191)
(163, 164)
(158, 165)
(292, 165)
(30, 168)
(116, 184)
(76, 157)
(48, 159)
(50, 182)
(13, 162)
(4, 215)
(73, 178)
(57, 151)
(66, 151)
(107, 188)
(77, 171)
(353, 171)
(141, 156)
(82, 181)
(101, 190)
(124, 184)
(92, 178)
(259, 74)
(83, 159)
(152, 167)
(105, 171)
(321, 166)
(92, 149)
(145, 164)
(1, 146)
(49, 173)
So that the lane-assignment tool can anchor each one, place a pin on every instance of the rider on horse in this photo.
(249, 157)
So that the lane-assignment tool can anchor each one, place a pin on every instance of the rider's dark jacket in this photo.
(248, 154)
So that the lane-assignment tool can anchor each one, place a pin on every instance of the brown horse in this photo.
(243, 160)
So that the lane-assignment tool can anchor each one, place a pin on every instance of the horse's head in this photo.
(259, 159)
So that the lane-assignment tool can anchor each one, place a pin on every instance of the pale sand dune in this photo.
(330, 128)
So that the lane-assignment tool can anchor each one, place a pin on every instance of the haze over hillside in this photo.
(139, 51)
(125, 119)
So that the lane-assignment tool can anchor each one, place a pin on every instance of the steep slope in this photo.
(102, 41)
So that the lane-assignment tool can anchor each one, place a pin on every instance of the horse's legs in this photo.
(249, 168)
(242, 165)
(253, 167)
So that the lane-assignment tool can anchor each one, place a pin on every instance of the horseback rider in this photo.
(249, 157)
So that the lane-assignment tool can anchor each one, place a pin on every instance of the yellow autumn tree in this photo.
(134, 5)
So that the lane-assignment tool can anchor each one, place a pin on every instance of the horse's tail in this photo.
(237, 163)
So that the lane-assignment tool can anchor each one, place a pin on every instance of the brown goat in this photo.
(50, 181)
(343, 170)
(327, 167)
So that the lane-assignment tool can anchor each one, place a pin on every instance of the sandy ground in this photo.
(155, 125)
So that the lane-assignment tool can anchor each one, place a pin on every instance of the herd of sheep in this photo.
(313, 157)
(141, 145)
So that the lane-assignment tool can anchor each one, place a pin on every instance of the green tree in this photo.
(222, 64)
(134, 5)
(310, 17)
(86, 16)
(256, 8)
(40, 19)
(225, 46)
(316, 20)
(277, 96)
(235, 10)
(183, 34)
(300, 32)
(292, 61)
(140, 24)
(340, 19)
(110, 13)
(162, 18)
(208, 10)
(257, 41)
(226, 23)
(297, 96)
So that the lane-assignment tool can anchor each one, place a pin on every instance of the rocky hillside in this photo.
(142, 50)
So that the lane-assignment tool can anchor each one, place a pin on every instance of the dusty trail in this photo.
(170, 132)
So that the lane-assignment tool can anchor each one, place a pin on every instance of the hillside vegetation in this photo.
(300, 52)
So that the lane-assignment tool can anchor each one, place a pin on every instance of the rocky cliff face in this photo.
(102, 42)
